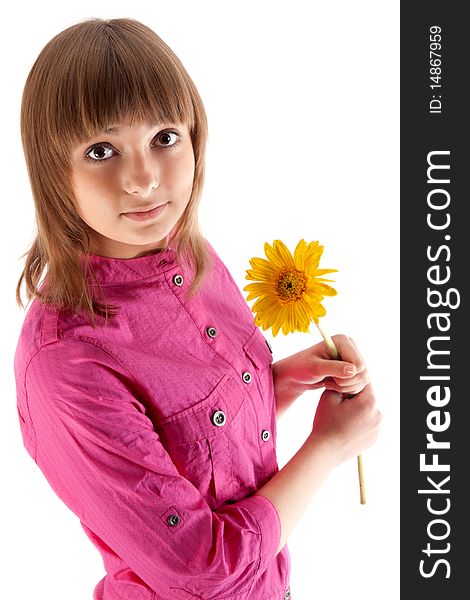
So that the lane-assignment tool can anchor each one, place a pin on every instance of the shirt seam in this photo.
(93, 342)
(154, 276)
(259, 523)
(67, 339)
(27, 405)
(260, 558)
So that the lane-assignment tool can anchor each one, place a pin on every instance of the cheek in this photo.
(87, 190)
(183, 171)
(101, 183)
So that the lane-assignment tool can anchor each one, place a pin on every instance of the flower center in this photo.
(291, 285)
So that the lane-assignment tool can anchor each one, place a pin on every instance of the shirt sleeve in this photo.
(101, 455)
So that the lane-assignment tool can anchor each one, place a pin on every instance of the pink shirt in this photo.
(157, 430)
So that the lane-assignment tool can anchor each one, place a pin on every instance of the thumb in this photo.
(330, 397)
(335, 368)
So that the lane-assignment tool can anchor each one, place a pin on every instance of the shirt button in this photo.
(211, 332)
(178, 280)
(173, 520)
(287, 594)
(265, 435)
(246, 377)
(219, 418)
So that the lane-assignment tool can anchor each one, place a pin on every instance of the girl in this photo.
(146, 395)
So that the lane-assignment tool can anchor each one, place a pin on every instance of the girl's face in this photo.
(129, 169)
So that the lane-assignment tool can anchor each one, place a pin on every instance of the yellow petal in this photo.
(312, 293)
(299, 255)
(303, 309)
(313, 252)
(263, 265)
(257, 289)
(263, 303)
(264, 288)
(272, 256)
(327, 290)
(325, 271)
(257, 275)
(284, 254)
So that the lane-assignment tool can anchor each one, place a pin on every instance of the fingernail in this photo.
(349, 370)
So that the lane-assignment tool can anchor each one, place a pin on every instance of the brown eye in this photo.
(98, 153)
(166, 137)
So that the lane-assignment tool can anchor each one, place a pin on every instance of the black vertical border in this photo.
(420, 133)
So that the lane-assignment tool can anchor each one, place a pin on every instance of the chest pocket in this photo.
(256, 347)
(213, 443)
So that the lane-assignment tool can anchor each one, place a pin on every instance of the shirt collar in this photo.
(111, 271)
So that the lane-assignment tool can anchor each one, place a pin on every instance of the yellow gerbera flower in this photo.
(290, 289)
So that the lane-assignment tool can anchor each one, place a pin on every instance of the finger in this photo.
(331, 397)
(362, 377)
(334, 368)
(348, 351)
(360, 380)
(346, 389)
(365, 397)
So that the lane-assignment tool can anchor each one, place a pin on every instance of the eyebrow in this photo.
(115, 130)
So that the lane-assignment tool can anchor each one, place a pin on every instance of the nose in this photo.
(141, 176)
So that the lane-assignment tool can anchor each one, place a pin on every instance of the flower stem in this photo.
(329, 342)
(336, 356)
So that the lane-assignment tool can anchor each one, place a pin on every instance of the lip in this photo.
(146, 215)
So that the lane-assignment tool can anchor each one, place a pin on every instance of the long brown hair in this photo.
(91, 76)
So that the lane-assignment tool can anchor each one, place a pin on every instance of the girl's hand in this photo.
(346, 426)
(313, 368)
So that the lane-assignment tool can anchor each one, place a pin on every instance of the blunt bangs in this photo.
(116, 73)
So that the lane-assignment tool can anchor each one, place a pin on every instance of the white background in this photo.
(303, 106)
